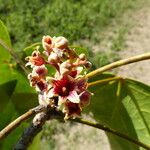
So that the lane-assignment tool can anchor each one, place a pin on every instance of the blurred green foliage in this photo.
(28, 21)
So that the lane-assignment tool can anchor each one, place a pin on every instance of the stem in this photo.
(59, 115)
(110, 130)
(27, 137)
(14, 55)
(119, 63)
(103, 81)
(30, 132)
(4, 132)
(38, 121)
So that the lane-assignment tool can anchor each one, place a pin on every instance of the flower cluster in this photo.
(67, 88)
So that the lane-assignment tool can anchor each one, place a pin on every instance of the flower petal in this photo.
(85, 98)
(73, 97)
(72, 110)
(81, 84)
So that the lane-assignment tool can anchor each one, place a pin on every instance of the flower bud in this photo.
(82, 56)
(88, 65)
(66, 65)
(40, 70)
(65, 68)
(41, 86)
(85, 98)
(47, 43)
(72, 110)
(53, 58)
(35, 59)
(61, 42)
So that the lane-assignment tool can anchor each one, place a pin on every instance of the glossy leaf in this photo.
(124, 106)
(137, 104)
(4, 54)
(28, 50)
(79, 50)
(8, 113)
(16, 94)
(6, 73)
(24, 96)
(36, 143)
(6, 90)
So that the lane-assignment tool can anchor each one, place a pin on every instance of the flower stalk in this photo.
(14, 124)
(119, 64)
(112, 131)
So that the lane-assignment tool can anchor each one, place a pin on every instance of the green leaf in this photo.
(137, 104)
(6, 107)
(9, 142)
(16, 94)
(4, 54)
(9, 115)
(24, 96)
(6, 90)
(123, 105)
(28, 50)
(79, 50)
(6, 73)
(36, 143)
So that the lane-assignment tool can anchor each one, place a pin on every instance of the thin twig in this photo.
(14, 56)
(104, 81)
(16, 123)
(59, 115)
(110, 130)
(119, 63)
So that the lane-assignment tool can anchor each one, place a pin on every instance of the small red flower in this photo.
(41, 85)
(36, 59)
(41, 71)
(72, 109)
(38, 82)
(63, 87)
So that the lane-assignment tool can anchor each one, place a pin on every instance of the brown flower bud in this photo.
(82, 56)
(65, 68)
(36, 59)
(85, 98)
(61, 42)
(53, 58)
(88, 65)
(47, 43)
(41, 71)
